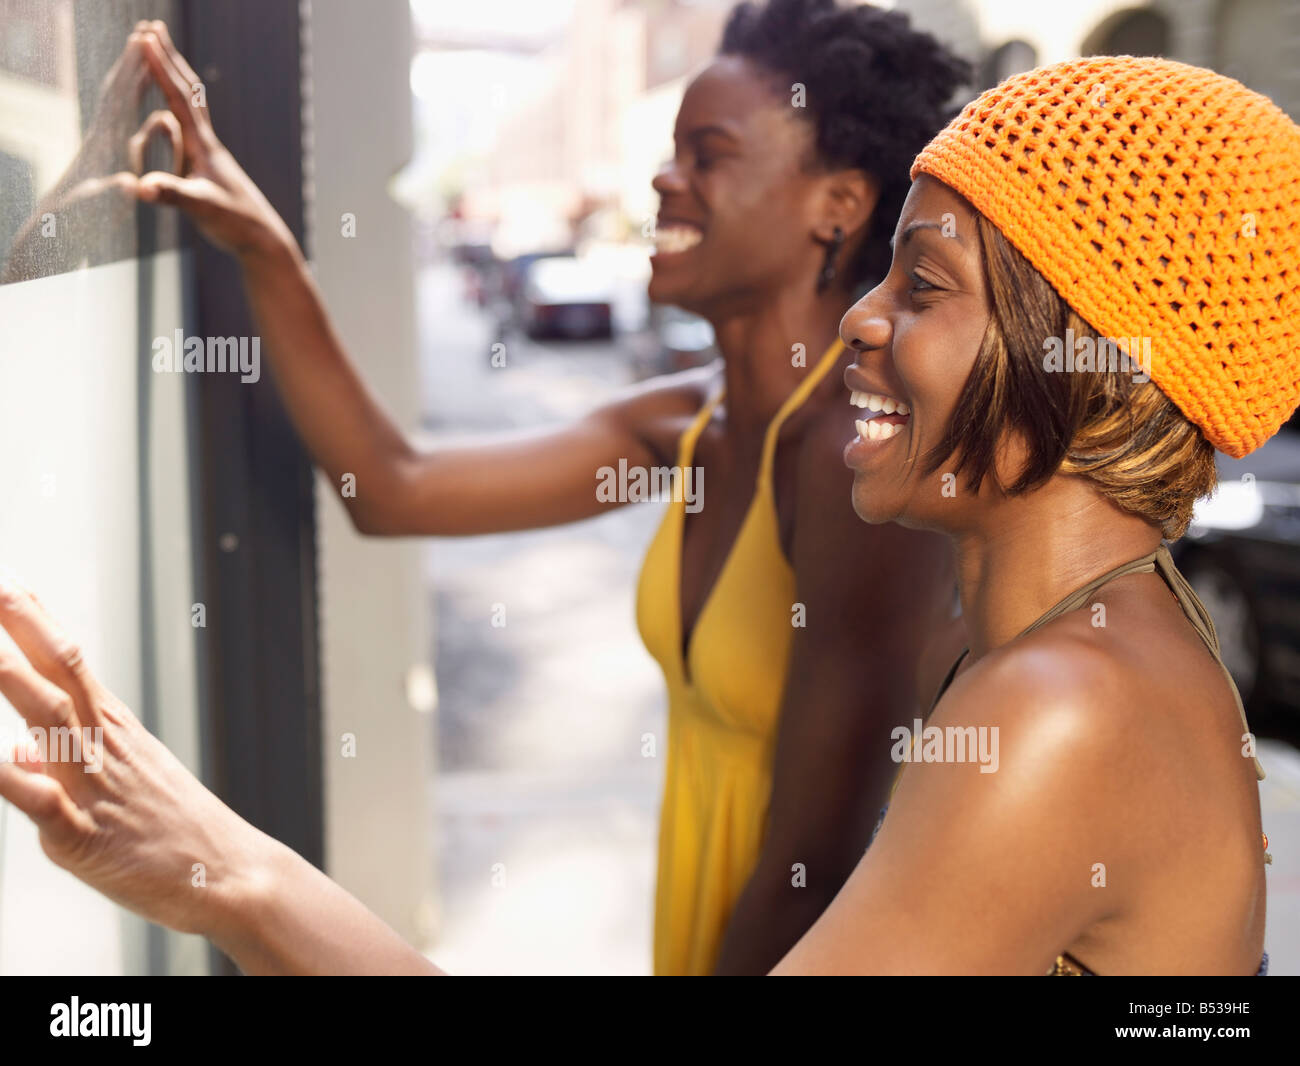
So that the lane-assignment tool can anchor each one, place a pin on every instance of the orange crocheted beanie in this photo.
(1162, 202)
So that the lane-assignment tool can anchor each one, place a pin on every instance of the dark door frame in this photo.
(255, 529)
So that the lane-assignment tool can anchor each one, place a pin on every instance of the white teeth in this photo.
(872, 429)
(673, 239)
(875, 402)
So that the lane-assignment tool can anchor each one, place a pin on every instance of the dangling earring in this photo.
(828, 267)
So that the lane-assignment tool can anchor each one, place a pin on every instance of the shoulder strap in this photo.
(1072, 602)
(1080, 596)
(686, 443)
(1200, 618)
(797, 397)
(952, 672)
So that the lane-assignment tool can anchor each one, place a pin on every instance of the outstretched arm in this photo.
(127, 818)
(512, 482)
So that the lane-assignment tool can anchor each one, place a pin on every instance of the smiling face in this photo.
(917, 335)
(738, 202)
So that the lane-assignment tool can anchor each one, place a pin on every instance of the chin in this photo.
(665, 289)
(876, 508)
(871, 507)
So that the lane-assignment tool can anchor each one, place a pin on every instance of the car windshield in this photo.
(567, 279)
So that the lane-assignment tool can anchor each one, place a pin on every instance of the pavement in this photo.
(546, 812)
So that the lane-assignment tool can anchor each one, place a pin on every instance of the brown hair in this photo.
(1126, 436)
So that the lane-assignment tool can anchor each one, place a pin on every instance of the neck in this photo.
(1029, 552)
(759, 354)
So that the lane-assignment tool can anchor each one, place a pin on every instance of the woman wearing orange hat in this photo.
(1084, 796)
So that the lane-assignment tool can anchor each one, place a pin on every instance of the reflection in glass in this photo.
(79, 119)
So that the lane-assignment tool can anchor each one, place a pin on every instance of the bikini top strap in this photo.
(1072, 602)
(1079, 597)
(952, 672)
(1200, 618)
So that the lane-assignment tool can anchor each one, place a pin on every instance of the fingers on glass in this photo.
(179, 90)
(41, 703)
(49, 651)
(160, 31)
(168, 124)
(46, 802)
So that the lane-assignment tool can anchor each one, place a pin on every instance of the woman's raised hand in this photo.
(225, 204)
(112, 804)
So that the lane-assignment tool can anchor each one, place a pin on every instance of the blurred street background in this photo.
(540, 720)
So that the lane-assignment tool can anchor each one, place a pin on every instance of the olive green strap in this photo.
(1200, 618)
(1162, 562)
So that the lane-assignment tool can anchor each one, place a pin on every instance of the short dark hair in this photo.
(876, 89)
(1124, 435)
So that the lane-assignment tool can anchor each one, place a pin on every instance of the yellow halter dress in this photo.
(724, 699)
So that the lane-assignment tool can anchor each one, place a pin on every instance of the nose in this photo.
(863, 328)
(668, 179)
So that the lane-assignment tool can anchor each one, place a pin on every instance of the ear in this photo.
(847, 199)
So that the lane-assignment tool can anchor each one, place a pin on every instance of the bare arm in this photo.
(512, 482)
(508, 482)
(141, 828)
(872, 595)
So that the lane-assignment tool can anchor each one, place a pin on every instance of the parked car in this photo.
(685, 340)
(1242, 557)
(477, 266)
(673, 340)
(565, 297)
(513, 273)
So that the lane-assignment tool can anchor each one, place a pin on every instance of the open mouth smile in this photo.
(674, 238)
(887, 418)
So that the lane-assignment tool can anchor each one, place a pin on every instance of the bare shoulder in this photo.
(1080, 734)
(659, 409)
(1021, 777)
(682, 392)
(1056, 685)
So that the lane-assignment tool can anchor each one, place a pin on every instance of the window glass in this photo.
(94, 446)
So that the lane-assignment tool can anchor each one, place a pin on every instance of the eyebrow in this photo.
(696, 132)
(914, 226)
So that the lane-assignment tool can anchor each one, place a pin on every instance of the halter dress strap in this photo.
(792, 402)
(686, 443)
